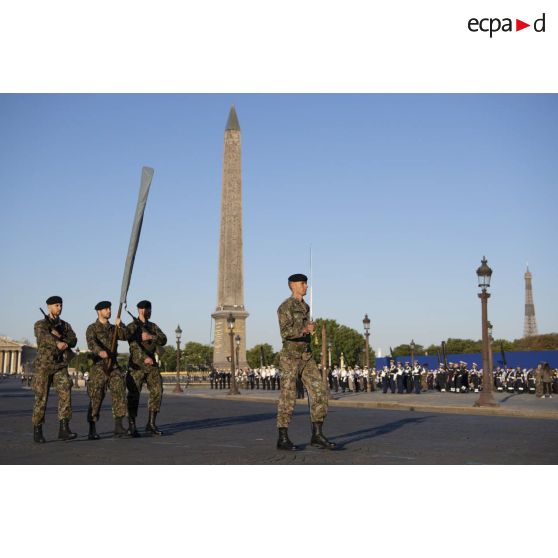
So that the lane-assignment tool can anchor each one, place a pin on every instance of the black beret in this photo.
(144, 304)
(103, 304)
(54, 300)
(297, 277)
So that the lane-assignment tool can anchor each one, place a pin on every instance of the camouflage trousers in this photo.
(300, 366)
(97, 388)
(60, 380)
(134, 382)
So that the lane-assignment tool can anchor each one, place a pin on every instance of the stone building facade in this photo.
(16, 357)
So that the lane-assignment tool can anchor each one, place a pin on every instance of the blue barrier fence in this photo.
(524, 359)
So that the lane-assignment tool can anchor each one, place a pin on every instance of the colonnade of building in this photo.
(10, 361)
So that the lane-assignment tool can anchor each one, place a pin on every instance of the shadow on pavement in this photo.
(346, 439)
(219, 422)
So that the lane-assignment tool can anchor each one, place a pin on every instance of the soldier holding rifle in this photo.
(144, 337)
(105, 372)
(296, 362)
(55, 339)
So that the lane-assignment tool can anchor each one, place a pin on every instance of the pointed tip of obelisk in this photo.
(232, 122)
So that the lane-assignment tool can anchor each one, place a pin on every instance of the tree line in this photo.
(545, 342)
(342, 340)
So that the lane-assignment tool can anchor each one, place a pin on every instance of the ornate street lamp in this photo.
(329, 353)
(413, 346)
(177, 388)
(366, 323)
(234, 389)
(486, 399)
(237, 341)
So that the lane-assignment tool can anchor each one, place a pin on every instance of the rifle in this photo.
(67, 354)
(143, 327)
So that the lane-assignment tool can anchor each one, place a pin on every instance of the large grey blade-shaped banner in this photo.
(146, 177)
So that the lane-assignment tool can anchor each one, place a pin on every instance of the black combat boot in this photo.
(283, 443)
(132, 428)
(92, 431)
(65, 433)
(119, 430)
(150, 428)
(318, 439)
(38, 434)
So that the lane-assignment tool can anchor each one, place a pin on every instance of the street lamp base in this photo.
(177, 389)
(486, 400)
(233, 392)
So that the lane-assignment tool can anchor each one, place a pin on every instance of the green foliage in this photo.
(433, 350)
(405, 350)
(168, 359)
(498, 343)
(545, 342)
(194, 356)
(459, 346)
(259, 355)
(344, 340)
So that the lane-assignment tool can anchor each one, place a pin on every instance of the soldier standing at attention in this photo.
(55, 338)
(99, 339)
(144, 338)
(296, 362)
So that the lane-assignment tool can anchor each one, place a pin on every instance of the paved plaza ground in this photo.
(204, 426)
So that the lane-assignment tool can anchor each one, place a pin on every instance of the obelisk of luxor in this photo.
(230, 284)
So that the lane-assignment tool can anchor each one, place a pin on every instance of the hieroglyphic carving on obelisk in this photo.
(230, 283)
(530, 326)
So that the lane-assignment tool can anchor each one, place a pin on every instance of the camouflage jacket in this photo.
(293, 316)
(139, 349)
(48, 354)
(99, 338)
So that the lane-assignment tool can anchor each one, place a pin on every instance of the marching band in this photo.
(403, 378)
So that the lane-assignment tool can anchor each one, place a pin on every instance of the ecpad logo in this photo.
(493, 25)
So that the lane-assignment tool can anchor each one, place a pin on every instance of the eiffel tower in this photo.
(530, 327)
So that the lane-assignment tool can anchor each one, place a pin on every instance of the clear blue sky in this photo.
(399, 196)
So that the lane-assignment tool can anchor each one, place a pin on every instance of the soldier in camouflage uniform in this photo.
(99, 339)
(145, 338)
(296, 361)
(55, 338)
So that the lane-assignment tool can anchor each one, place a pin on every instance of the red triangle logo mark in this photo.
(519, 25)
